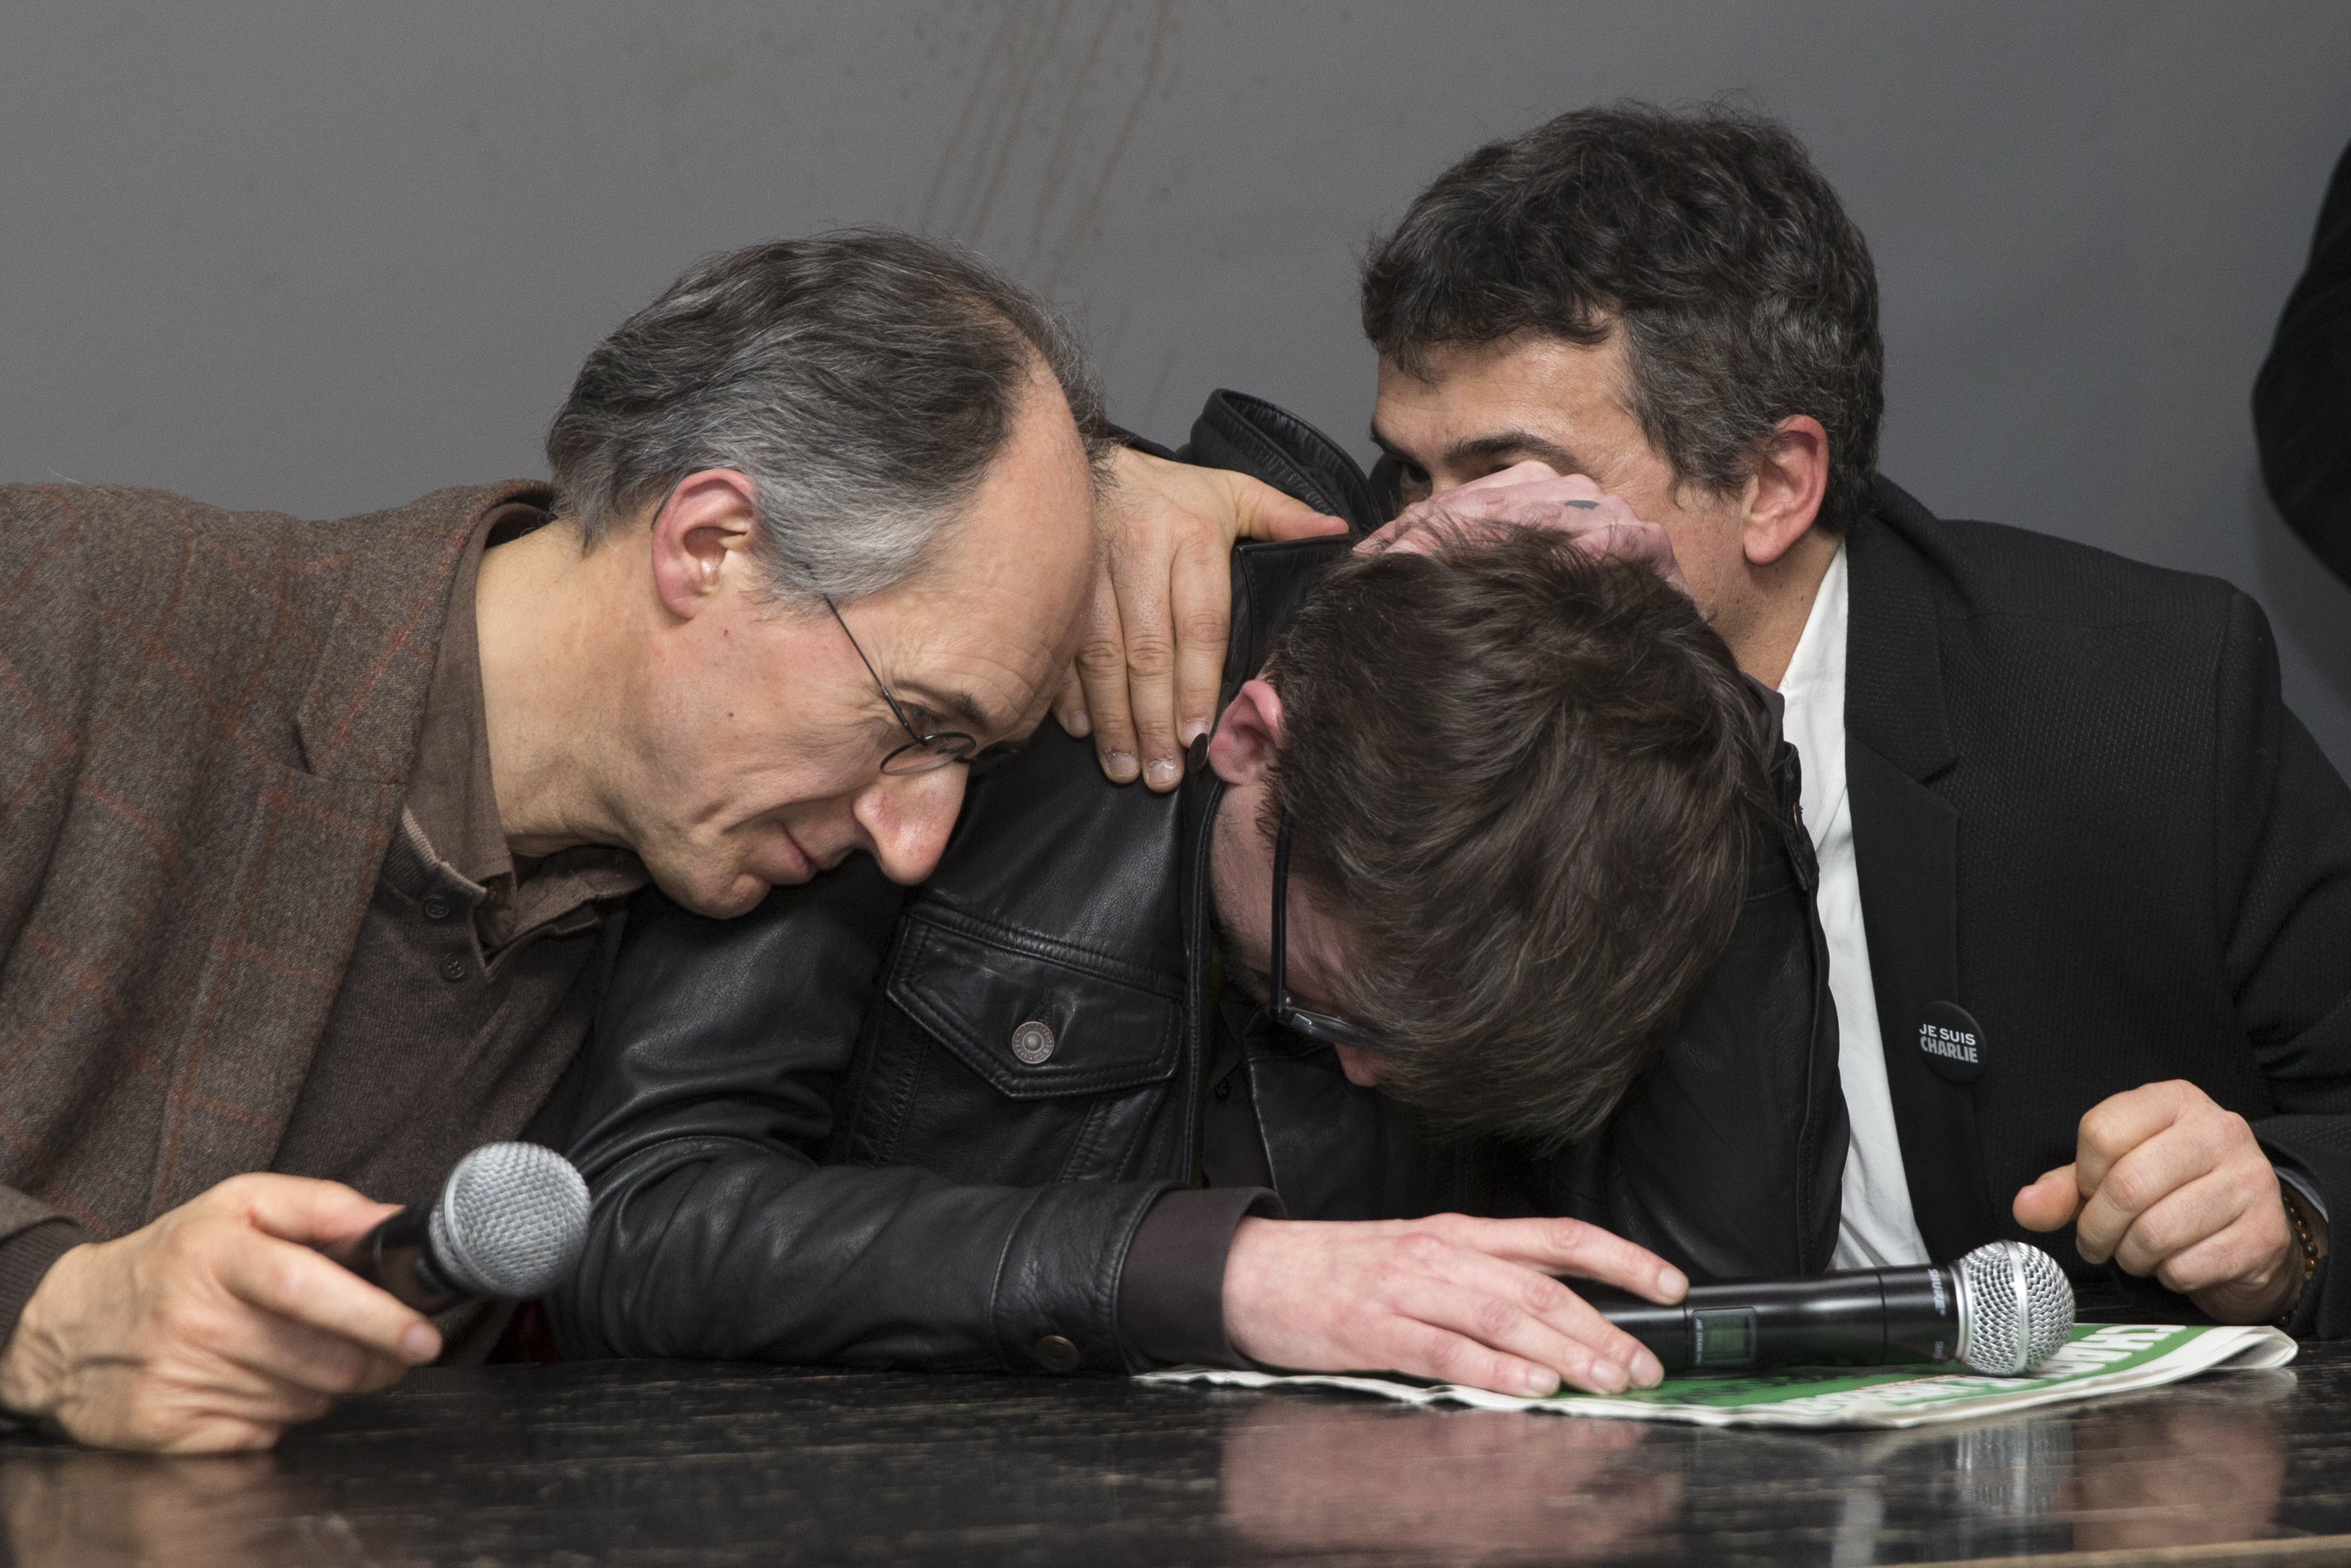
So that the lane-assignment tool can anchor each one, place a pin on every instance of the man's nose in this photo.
(907, 819)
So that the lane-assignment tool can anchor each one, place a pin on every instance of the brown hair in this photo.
(1525, 783)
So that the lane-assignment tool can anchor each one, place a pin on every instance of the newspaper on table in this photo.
(2100, 1358)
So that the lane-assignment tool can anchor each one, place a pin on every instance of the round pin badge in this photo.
(1952, 1042)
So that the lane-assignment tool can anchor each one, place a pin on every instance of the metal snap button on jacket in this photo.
(1057, 1354)
(1032, 1042)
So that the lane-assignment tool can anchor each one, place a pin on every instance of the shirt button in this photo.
(1055, 1353)
(453, 968)
(436, 907)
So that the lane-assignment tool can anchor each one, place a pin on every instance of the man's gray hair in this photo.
(863, 381)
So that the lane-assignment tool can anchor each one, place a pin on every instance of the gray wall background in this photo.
(325, 257)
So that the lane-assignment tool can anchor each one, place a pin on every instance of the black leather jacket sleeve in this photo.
(702, 1136)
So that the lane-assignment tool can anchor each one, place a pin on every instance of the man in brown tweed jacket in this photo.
(314, 836)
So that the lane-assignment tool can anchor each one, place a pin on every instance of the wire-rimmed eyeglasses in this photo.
(922, 753)
(1318, 1026)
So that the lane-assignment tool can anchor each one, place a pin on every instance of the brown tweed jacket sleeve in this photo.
(207, 722)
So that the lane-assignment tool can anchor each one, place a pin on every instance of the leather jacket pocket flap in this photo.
(1034, 1027)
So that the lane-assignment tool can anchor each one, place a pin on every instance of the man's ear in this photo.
(1248, 734)
(1791, 474)
(702, 540)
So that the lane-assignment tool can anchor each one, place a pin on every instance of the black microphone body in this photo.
(1862, 1317)
(397, 1257)
(2004, 1309)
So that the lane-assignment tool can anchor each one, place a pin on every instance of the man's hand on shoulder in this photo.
(1532, 494)
(1153, 651)
(2165, 1182)
(215, 1327)
(1450, 1297)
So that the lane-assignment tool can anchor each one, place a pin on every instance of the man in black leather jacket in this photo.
(977, 1124)
(2060, 809)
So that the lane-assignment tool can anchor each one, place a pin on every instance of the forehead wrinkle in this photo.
(960, 675)
(943, 652)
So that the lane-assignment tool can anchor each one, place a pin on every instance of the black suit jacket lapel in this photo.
(1906, 841)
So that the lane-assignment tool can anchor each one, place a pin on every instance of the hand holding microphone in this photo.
(217, 1325)
(508, 1224)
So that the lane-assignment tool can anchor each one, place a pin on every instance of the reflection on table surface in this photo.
(64, 1507)
(2181, 1466)
(1308, 1475)
(665, 1462)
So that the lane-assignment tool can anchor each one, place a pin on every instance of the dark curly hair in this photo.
(1525, 783)
(1745, 293)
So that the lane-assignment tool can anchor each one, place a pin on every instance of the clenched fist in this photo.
(2165, 1182)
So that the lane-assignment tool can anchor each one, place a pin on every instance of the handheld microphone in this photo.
(2004, 1309)
(508, 1224)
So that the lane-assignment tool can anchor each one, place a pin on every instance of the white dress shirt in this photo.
(1876, 1228)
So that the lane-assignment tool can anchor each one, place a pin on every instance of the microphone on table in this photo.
(2004, 1309)
(508, 1224)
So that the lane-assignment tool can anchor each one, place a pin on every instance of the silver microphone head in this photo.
(510, 1222)
(2016, 1308)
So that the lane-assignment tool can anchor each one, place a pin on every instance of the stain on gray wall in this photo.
(325, 257)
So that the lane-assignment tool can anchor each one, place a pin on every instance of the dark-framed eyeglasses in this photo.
(1318, 1026)
(922, 753)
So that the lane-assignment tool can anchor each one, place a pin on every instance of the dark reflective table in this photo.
(672, 1463)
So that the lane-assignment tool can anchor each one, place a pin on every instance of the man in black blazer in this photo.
(2087, 882)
